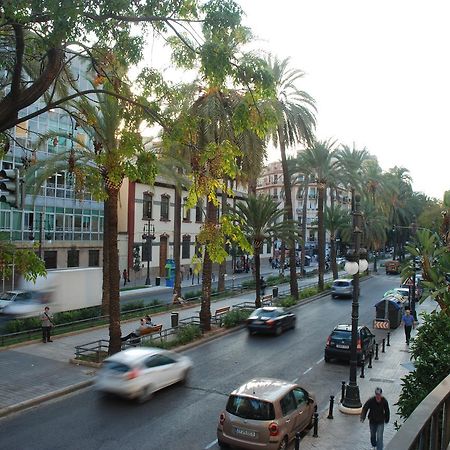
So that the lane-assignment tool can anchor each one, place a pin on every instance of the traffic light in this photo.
(10, 188)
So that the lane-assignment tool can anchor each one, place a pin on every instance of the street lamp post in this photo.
(148, 236)
(351, 402)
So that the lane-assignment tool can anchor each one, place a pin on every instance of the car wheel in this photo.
(333, 296)
(145, 394)
(221, 444)
(278, 330)
(283, 444)
(185, 377)
(293, 324)
(327, 359)
(251, 333)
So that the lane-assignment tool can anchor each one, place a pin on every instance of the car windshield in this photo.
(265, 313)
(7, 296)
(342, 283)
(250, 408)
(116, 366)
(341, 334)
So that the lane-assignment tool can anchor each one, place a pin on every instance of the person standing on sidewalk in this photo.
(47, 323)
(408, 322)
(379, 414)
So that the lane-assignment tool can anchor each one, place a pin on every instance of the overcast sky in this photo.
(379, 71)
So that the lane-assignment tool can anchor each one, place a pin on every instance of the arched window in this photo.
(147, 209)
(165, 204)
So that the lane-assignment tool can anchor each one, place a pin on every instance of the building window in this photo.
(147, 212)
(165, 199)
(269, 246)
(186, 247)
(50, 259)
(73, 258)
(275, 179)
(198, 213)
(186, 211)
(275, 193)
(94, 258)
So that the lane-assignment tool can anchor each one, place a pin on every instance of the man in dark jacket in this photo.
(378, 409)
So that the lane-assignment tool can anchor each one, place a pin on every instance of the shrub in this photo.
(308, 292)
(235, 317)
(328, 286)
(188, 334)
(247, 284)
(192, 294)
(286, 302)
(139, 304)
(30, 323)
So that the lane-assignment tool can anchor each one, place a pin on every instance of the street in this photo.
(185, 417)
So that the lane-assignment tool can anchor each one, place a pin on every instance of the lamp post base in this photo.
(147, 282)
(351, 399)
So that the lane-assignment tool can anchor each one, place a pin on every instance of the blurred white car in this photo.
(139, 372)
(23, 303)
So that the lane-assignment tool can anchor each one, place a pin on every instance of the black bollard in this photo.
(342, 391)
(383, 344)
(376, 352)
(388, 339)
(330, 410)
(297, 440)
(363, 363)
(316, 425)
(370, 360)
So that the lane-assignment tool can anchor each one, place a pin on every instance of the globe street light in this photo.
(356, 264)
(148, 236)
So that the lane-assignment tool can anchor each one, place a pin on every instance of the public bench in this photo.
(145, 331)
(266, 300)
(220, 312)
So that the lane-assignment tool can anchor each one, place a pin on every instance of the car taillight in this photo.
(222, 418)
(270, 322)
(358, 345)
(328, 341)
(133, 374)
(273, 429)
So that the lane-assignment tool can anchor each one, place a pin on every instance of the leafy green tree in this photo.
(318, 161)
(259, 217)
(296, 124)
(430, 352)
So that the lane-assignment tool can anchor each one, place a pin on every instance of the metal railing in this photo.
(428, 427)
(92, 351)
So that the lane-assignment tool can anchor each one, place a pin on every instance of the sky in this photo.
(378, 70)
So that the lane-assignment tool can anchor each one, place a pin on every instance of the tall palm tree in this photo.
(336, 220)
(296, 123)
(373, 179)
(258, 217)
(317, 161)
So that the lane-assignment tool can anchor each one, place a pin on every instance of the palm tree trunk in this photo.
(334, 267)
(257, 259)
(113, 268)
(177, 240)
(105, 287)
(289, 212)
(223, 264)
(304, 216)
(321, 237)
(205, 310)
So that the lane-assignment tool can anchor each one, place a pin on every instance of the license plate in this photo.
(342, 346)
(245, 433)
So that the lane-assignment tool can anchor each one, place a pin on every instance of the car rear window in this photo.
(250, 408)
(342, 283)
(7, 296)
(341, 334)
(116, 366)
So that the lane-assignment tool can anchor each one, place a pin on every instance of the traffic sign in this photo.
(408, 282)
(381, 324)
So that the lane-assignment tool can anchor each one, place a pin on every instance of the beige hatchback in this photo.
(265, 413)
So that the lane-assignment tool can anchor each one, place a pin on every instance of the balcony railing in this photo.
(428, 427)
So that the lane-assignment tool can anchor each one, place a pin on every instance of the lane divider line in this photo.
(320, 360)
(212, 444)
(307, 370)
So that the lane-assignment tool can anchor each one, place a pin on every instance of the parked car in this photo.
(265, 413)
(139, 372)
(342, 287)
(338, 343)
(270, 319)
(392, 267)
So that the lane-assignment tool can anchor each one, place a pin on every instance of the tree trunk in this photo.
(223, 264)
(177, 240)
(205, 310)
(304, 216)
(105, 287)
(321, 237)
(114, 272)
(252, 186)
(257, 259)
(289, 212)
(334, 267)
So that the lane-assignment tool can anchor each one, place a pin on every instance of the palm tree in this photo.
(296, 123)
(336, 219)
(258, 217)
(317, 161)
(373, 179)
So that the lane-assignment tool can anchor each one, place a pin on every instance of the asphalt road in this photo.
(185, 417)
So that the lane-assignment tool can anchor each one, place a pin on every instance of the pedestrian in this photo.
(408, 322)
(47, 323)
(263, 285)
(125, 277)
(379, 413)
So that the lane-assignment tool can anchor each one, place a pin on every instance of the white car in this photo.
(139, 372)
(21, 303)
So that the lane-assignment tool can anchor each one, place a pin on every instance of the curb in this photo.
(44, 398)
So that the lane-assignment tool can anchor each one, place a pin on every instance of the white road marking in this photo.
(307, 370)
(295, 380)
(212, 444)
(320, 360)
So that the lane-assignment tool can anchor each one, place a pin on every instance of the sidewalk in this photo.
(36, 372)
(345, 432)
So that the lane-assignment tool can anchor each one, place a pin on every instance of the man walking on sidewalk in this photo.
(378, 409)
(408, 322)
(47, 323)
